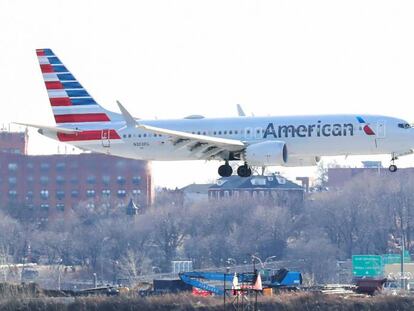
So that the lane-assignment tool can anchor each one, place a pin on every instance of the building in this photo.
(13, 142)
(195, 192)
(338, 177)
(51, 185)
(274, 187)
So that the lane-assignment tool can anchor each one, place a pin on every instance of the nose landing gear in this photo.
(393, 168)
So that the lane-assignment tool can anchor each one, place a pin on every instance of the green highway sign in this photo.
(367, 265)
(395, 258)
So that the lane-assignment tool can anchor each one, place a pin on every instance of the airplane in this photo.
(255, 141)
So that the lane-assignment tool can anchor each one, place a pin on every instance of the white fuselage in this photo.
(304, 136)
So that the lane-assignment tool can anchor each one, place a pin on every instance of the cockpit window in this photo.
(404, 125)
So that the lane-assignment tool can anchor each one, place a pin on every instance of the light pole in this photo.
(402, 261)
(268, 259)
(115, 268)
(231, 261)
(155, 268)
(59, 268)
(255, 257)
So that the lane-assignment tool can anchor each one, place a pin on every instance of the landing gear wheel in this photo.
(393, 168)
(244, 171)
(225, 170)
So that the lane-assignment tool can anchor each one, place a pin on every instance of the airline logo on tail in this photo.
(367, 129)
(70, 101)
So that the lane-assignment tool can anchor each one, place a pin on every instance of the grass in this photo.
(33, 299)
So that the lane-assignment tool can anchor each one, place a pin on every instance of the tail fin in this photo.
(71, 103)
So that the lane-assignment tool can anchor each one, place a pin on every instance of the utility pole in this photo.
(255, 274)
(402, 260)
(224, 291)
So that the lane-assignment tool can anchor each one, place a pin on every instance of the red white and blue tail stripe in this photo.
(73, 107)
(70, 101)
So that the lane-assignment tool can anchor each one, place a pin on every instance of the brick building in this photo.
(53, 184)
(13, 142)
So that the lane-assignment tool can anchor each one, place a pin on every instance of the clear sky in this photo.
(169, 59)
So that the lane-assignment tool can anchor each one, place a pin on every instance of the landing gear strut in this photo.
(225, 170)
(393, 168)
(244, 171)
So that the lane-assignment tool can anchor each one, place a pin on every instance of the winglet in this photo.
(240, 111)
(129, 119)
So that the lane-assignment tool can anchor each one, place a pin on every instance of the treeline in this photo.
(367, 216)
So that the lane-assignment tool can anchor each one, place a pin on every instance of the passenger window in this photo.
(248, 133)
(258, 133)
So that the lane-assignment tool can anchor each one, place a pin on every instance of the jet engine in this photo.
(267, 153)
(302, 161)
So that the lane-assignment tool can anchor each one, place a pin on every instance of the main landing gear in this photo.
(225, 170)
(244, 170)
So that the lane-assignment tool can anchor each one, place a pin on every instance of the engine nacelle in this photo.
(267, 153)
(302, 161)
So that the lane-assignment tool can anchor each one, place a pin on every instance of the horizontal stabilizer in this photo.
(50, 128)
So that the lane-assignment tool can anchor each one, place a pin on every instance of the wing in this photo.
(201, 146)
